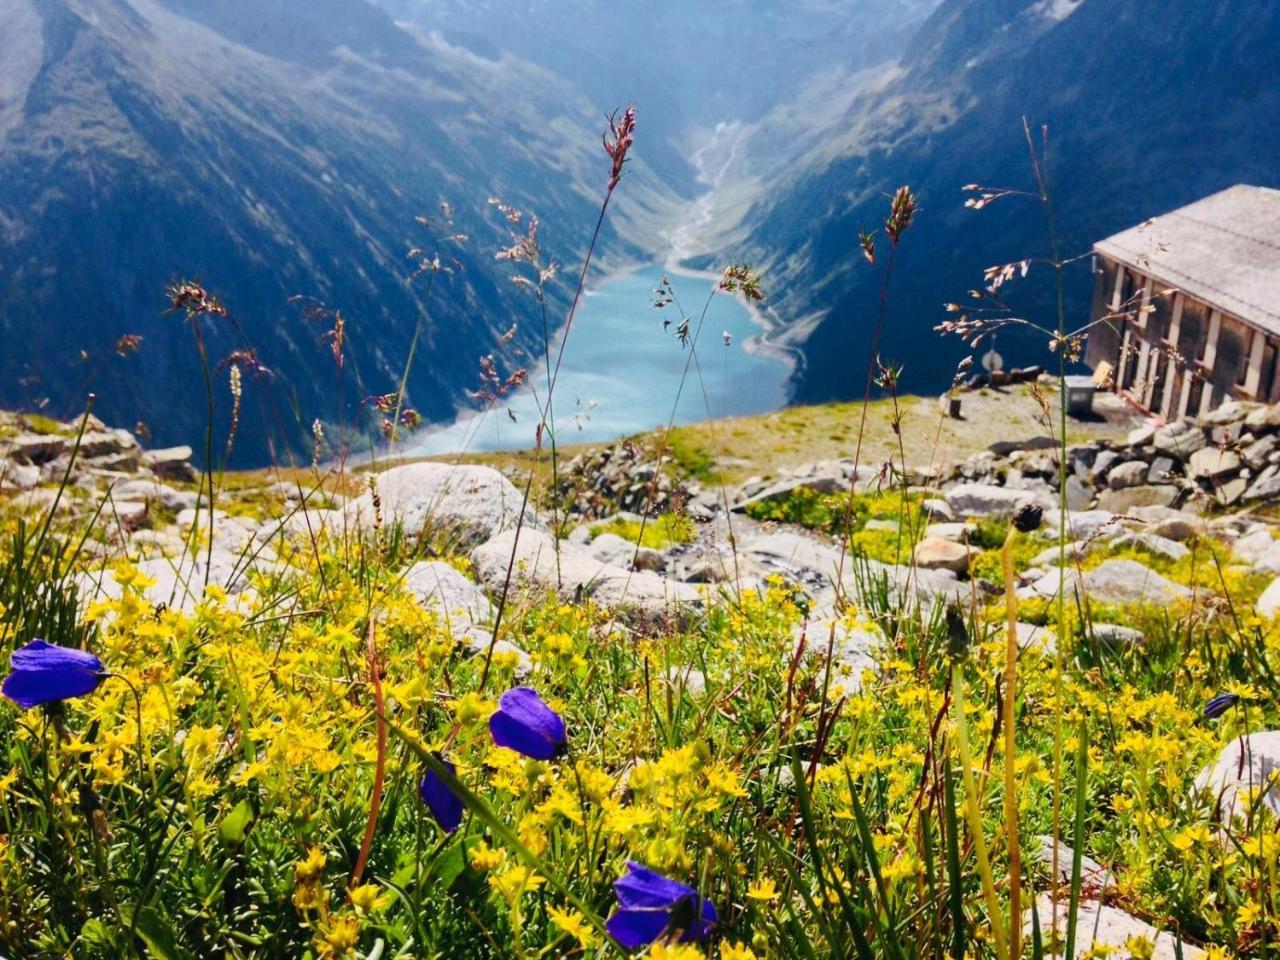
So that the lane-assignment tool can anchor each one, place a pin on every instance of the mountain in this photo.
(275, 148)
(1149, 105)
(690, 66)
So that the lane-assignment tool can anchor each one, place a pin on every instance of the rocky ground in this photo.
(1156, 490)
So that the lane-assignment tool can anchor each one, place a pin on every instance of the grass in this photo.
(731, 450)
(663, 531)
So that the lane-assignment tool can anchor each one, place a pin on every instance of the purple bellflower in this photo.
(651, 906)
(525, 724)
(47, 673)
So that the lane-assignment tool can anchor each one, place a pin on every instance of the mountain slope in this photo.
(273, 148)
(1149, 106)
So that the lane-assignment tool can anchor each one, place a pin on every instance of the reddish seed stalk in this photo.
(380, 765)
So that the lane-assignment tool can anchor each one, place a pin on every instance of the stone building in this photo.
(1186, 308)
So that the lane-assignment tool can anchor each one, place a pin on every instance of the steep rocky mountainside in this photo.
(1149, 106)
(272, 148)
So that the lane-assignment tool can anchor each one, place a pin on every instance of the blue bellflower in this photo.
(525, 724)
(444, 804)
(47, 673)
(1220, 705)
(651, 906)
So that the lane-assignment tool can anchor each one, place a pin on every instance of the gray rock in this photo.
(1094, 877)
(1245, 764)
(464, 504)
(1116, 635)
(1180, 527)
(1103, 930)
(1268, 602)
(1231, 412)
(1153, 543)
(1122, 501)
(935, 553)
(641, 595)
(1266, 486)
(959, 532)
(986, 500)
(19, 476)
(441, 587)
(1161, 469)
(1115, 581)
(885, 526)
(477, 640)
(1131, 473)
(1081, 524)
(1228, 492)
(1212, 462)
(1078, 495)
(852, 648)
(1264, 418)
(1051, 556)
(131, 514)
(1140, 436)
(686, 680)
(153, 491)
(37, 448)
(791, 554)
(819, 484)
(937, 510)
(1260, 549)
(1103, 462)
(1179, 439)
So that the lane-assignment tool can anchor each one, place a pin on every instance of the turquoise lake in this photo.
(621, 371)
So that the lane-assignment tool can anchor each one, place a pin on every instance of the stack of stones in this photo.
(1231, 457)
(624, 477)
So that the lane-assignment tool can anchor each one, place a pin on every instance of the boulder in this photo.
(1050, 556)
(1179, 439)
(1081, 524)
(1115, 635)
(1244, 765)
(1103, 930)
(1162, 469)
(577, 574)
(1212, 462)
(986, 500)
(937, 510)
(1122, 501)
(19, 476)
(1257, 452)
(1094, 877)
(477, 640)
(793, 555)
(1115, 581)
(1259, 549)
(1179, 527)
(937, 553)
(1264, 418)
(1266, 486)
(959, 532)
(686, 680)
(1268, 602)
(852, 646)
(441, 587)
(1131, 473)
(1153, 543)
(464, 504)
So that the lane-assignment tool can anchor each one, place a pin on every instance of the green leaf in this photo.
(235, 825)
(153, 930)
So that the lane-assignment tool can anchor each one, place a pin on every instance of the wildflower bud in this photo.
(1028, 517)
(957, 633)
(1220, 705)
